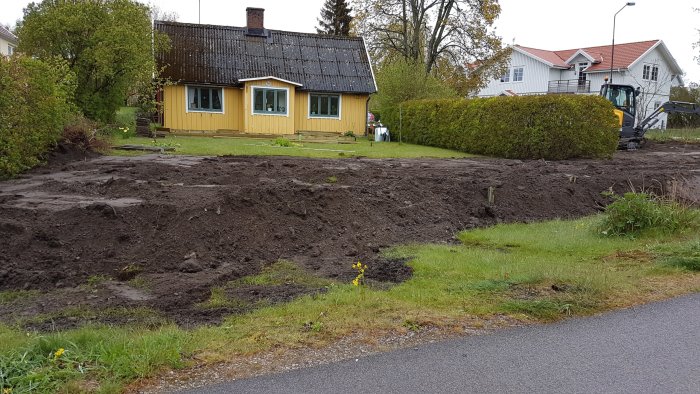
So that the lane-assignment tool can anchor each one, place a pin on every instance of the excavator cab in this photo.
(624, 98)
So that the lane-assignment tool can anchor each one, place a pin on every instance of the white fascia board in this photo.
(539, 59)
(364, 43)
(269, 77)
(580, 52)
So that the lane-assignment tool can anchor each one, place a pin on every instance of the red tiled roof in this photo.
(548, 56)
(625, 54)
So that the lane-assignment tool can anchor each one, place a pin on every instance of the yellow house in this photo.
(254, 80)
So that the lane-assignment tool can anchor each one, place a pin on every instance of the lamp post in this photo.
(612, 56)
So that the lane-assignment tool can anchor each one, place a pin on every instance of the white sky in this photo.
(545, 24)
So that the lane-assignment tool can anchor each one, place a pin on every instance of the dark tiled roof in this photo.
(7, 35)
(224, 55)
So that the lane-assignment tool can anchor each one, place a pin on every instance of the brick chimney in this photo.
(256, 19)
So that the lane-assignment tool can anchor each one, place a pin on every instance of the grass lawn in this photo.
(526, 272)
(208, 146)
(684, 135)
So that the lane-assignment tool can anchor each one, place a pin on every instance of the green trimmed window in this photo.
(205, 99)
(270, 101)
(324, 105)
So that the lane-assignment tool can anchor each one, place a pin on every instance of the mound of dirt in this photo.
(156, 233)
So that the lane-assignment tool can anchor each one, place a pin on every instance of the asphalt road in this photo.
(649, 349)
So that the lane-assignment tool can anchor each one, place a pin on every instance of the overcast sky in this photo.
(545, 24)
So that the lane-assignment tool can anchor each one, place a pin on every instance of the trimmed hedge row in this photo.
(34, 105)
(525, 127)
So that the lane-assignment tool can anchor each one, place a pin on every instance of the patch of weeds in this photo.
(491, 285)
(411, 325)
(96, 280)
(634, 213)
(283, 272)
(689, 263)
(219, 299)
(284, 142)
(313, 326)
(84, 316)
(470, 239)
(128, 272)
(685, 255)
(349, 133)
(9, 296)
(539, 309)
(139, 282)
(332, 179)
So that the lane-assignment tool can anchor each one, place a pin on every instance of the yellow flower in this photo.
(7, 390)
(59, 353)
(356, 282)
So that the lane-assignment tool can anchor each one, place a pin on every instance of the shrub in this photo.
(34, 106)
(634, 213)
(400, 80)
(281, 141)
(531, 127)
(82, 133)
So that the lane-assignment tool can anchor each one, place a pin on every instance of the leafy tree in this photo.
(335, 18)
(400, 80)
(424, 31)
(107, 44)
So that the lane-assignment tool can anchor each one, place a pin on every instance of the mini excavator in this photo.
(624, 98)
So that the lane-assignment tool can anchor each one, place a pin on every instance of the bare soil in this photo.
(144, 239)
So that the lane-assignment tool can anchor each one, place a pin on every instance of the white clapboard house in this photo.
(647, 64)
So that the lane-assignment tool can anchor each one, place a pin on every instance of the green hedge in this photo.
(526, 127)
(34, 105)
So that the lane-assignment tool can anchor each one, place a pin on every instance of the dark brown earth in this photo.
(145, 239)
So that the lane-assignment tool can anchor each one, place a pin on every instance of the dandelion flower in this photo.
(59, 353)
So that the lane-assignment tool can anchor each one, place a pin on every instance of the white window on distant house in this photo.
(506, 76)
(10, 50)
(324, 105)
(518, 74)
(267, 101)
(650, 72)
(205, 99)
(657, 104)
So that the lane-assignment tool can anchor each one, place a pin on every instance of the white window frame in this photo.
(650, 72)
(265, 113)
(522, 73)
(505, 78)
(206, 111)
(334, 117)
(10, 49)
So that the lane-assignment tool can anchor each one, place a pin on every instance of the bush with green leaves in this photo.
(108, 44)
(35, 99)
(526, 127)
(635, 213)
(400, 80)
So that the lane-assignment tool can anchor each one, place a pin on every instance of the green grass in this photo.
(683, 135)
(208, 146)
(10, 296)
(527, 272)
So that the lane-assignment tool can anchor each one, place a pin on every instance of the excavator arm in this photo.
(670, 107)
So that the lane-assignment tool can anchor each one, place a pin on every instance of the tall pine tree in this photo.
(335, 18)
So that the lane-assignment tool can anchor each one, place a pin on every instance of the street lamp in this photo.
(612, 57)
